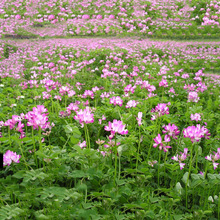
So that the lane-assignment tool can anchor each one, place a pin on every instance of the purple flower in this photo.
(82, 145)
(193, 97)
(139, 118)
(116, 127)
(160, 109)
(213, 158)
(195, 133)
(10, 157)
(195, 117)
(116, 101)
(158, 141)
(181, 158)
(84, 116)
(171, 130)
(131, 103)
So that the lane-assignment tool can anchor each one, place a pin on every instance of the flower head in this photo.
(195, 133)
(116, 101)
(162, 145)
(84, 116)
(180, 158)
(213, 158)
(171, 130)
(139, 118)
(10, 157)
(196, 117)
(116, 127)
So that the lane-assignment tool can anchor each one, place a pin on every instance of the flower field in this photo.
(182, 19)
(109, 129)
(106, 113)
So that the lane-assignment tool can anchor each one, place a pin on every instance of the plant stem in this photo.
(119, 168)
(139, 143)
(187, 181)
(34, 146)
(158, 174)
(9, 134)
(152, 140)
(115, 160)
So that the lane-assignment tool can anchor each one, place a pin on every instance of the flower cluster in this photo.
(16, 119)
(131, 103)
(10, 157)
(162, 144)
(84, 116)
(196, 117)
(193, 97)
(116, 127)
(160, 109)
(214, 158)
(171, 130)
(38, 118)
(139, 118)
(116, 101)
(129, 88)
(195, 133)
(82, 145)
(180, 158)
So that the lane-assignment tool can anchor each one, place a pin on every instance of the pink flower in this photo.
(18, 17)
(64, 90)
(111, 16)
(195, 117)
(129, 88)
(213, 158)
(111, 143)
(160, 109)
(158, 141)
(181, 158)
(37, 119)
(193, 97)
(84, 116)
(102, 119)
(171, 130)
(116, 101)
(163, 83)
(10, 157)
(151, 163)
(139, 118)
(99, 17)
(102, 152)
(190, 87)
(131, 103)
(57, 97)
(51, 65)
(51, 17)
(195, 133)
(172, 90)
(116, 127)
(88, 93)
(82, 145)
(71, 93)
(85, 17)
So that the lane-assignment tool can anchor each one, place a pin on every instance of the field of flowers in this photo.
(182, 19)
(109, 129)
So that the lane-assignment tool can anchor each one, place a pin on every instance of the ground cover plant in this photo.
(109, 129)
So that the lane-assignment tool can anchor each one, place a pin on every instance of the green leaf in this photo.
(74, 140)
(211, 176)
(178, 217)
(77, 174)
(185, 177)
(19, 174)
(179, 188)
